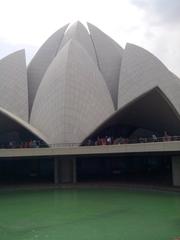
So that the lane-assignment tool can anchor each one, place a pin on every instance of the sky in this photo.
(151, 24)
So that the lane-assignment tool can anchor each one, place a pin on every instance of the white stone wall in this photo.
(141, 72)
(78, 32)
(109, 55)
(41, 61)
(76, 81)
(73, 99)
(13, 82)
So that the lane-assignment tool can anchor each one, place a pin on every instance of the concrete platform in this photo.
(153, 147)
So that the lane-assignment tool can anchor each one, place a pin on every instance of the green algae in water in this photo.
(89, 214)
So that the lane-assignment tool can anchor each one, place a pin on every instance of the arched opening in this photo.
(151, 113)
(26, 171)
(142, 169)
(15, 133)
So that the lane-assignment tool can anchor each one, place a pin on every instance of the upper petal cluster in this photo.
(81, 81)
(72, 99)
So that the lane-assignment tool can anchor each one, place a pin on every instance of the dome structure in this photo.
(63, 107)
(81, 84)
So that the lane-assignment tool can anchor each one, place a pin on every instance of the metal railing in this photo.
(119, 141)
(116, 141)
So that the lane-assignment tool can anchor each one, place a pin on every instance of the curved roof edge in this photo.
(161, 92)
(77, 31)
(13, 82)
(82, 94)
(12, 53)
(41, 61)
(108, 120)
(141, 71)
(24, 124)
(109, 56)
(128, 45)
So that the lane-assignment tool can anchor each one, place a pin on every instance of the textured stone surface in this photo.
(141, 72)
(76, 81)
(78, 32)
(13, 82)
(109, 55)
(72, 99)
(41, 61)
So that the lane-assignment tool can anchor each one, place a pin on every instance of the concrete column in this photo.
(56, 170)
(74, 171)
(34, 166)
(176, 170)
(65, 170)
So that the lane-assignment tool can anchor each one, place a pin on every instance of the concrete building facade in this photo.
(80, 85)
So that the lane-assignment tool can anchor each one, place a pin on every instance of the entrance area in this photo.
(142, 169)
(153, 170)
(15, 171)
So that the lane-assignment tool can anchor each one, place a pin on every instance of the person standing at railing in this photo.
(109, 140)
(166, 137)
(34, 145)
(10, 144)
(154, 138)
(104, 141)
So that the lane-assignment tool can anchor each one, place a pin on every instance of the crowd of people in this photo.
(109, 140)
(25, 144)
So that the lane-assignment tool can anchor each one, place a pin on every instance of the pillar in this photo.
(56, 170)
(34, 167)
(65, 170)
(176, 170)
(74, 171)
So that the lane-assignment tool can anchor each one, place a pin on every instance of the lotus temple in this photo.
(81, 87)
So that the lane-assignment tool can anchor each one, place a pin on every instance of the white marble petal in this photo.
(73, 99)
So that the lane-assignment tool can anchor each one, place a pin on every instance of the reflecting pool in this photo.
(89, 214)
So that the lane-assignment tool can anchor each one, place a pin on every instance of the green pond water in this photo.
(89, 214)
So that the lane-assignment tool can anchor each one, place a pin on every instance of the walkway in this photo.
(172, 147)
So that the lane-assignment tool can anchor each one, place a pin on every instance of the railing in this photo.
(117, 141)
(121, 141)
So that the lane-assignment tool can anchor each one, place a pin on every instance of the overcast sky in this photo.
(151, 24)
